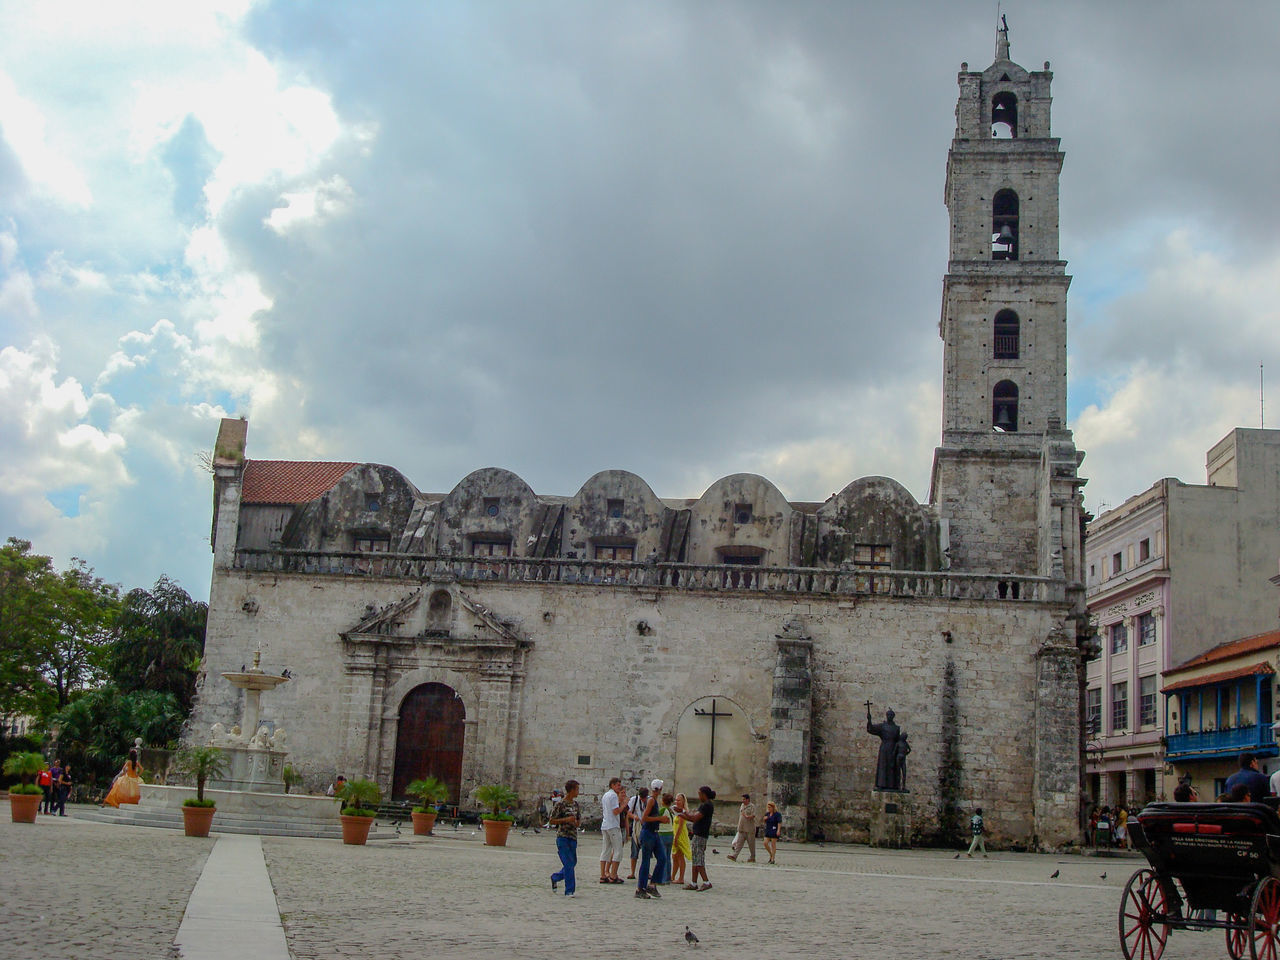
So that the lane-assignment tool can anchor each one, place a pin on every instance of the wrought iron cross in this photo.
(712, 713)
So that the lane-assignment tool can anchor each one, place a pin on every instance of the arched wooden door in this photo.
(429, 739)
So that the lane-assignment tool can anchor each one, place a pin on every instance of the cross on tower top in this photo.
(1002, 39)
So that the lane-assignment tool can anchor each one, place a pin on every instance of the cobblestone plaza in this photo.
(89, 890)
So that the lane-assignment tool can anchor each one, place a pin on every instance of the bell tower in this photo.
(1003, 323)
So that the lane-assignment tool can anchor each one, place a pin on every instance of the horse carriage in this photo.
(1213, 866)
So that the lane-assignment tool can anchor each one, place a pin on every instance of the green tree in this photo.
(159, 640)
(99, 726)
(53, 629)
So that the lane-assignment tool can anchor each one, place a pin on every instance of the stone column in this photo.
(792, 722)
(1056, 789)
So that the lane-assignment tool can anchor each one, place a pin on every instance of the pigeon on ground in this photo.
(1054, 875)
(689, 937)
(714, 850)
(1103, 877)
(956, 857)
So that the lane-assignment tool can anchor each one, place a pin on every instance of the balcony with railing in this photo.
(730, 578)
(1207, 744)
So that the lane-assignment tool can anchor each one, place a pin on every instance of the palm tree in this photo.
(159, 641)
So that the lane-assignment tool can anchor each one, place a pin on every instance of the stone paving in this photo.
(454, 897)
(93, 891)
(100, 891)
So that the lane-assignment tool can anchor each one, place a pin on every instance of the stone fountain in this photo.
(256, 753)
(251, 797)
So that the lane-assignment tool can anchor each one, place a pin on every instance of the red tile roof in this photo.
(1265, 669)
(1232, 648)
(289, 481)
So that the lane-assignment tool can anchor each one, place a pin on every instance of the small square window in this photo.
(372, 544)
(614, 509)
(742, 513)
(491, 506)
(491, 548)
(872, 554)
(371, 502)
(584, 760)
(1144, 550)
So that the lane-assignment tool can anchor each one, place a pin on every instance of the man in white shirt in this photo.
(611, 804)
(1275, 782)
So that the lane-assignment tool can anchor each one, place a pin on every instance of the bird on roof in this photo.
(1104, 875)
(1054, 875)
(689, 937)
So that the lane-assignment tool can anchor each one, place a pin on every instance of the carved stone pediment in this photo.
(402, 623)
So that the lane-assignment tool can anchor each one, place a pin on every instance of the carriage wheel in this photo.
(1141, 935)
(1264, 920)
(1238, 937)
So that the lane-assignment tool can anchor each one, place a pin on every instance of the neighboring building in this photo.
(1171, 572)
(493, 634)
(1219, 705)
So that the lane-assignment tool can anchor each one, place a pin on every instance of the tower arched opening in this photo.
(1004, 116)
(1004, 406)
(1004, 225)
(1006, 345)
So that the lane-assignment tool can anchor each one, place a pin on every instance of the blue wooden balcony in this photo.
(1211, 744)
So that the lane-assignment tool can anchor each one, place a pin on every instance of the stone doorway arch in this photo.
(429, 739)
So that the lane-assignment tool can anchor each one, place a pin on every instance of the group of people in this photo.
(1108, 827)
(667, 835)
(55, 785)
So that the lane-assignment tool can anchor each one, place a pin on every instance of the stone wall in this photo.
(607, 672)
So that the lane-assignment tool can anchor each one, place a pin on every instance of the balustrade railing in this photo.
(731, 578)
(1254, 736)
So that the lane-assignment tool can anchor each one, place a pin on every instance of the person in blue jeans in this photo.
(650, 844)
(565, 817)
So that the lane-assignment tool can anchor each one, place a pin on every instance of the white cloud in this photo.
(45, 164)
(315, 204)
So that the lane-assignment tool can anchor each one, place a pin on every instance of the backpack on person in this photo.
(976, 825)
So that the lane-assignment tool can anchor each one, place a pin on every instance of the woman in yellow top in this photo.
(128, 783)
(681, 853)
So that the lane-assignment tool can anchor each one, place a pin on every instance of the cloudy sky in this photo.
(685, 239)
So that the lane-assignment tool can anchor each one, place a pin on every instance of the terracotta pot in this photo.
(495, 832)
(23, 806)
(355, 830)
(197, 820)
(423, 824)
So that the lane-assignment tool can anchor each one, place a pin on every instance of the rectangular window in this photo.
(614, 552)
(1147, 701)
(1117, 564)
(1144, 550)
(491, 548)
(492, 506)
(873, 554)
(742, 513)
(372, 503)
(613, 508)
(1119, 706)
(1093, 570)
(1093, 711)
(1146, 629)
(373, 544)
(1119, 638)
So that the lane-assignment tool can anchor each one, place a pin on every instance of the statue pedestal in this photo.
(890, 819)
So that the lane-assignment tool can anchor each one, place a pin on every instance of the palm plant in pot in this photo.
(360, 799)
(430, 791)
(496, 824)
(202, 764)
(24, 796)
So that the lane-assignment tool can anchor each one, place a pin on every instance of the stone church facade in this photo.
(494, 634)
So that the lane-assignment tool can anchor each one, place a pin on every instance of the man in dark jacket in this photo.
(1250, 777)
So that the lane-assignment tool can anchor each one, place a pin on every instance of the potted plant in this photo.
(430, 791)
(202, 763)
(290, 776)
(360, 799)
(496, 824)
(24, 797)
